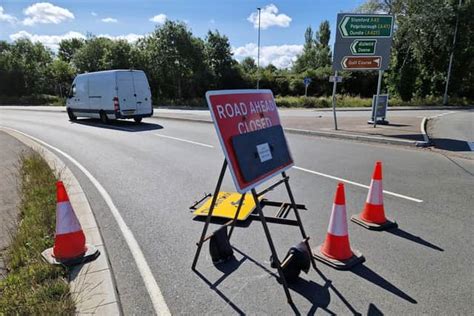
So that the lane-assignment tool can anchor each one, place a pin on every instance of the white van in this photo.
(112, 94)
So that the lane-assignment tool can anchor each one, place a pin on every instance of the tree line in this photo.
(181, 66)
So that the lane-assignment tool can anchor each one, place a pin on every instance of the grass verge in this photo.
(33, 287)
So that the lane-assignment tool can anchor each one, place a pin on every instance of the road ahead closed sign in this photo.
(251, 136)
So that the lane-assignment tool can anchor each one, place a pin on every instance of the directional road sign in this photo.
(363, 41)
(251, 135)
(361, 62)
(363, 47)
(356, 25)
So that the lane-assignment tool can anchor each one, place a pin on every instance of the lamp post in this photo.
(445, 97)
(258, 51)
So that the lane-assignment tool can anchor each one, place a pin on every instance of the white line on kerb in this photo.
(358, 184)
(151, 285)
(184, 140)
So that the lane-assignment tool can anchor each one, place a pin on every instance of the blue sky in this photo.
(283, 22)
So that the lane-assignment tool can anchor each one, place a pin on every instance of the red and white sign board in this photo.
(236, 112)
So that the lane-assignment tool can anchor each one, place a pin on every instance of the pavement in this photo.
(154, 171)
(9, 186)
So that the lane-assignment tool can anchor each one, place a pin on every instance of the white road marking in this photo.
(185, 140)
(358, 184)
(151, 285)
(443, 114)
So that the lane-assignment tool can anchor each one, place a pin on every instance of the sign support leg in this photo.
(272, 247)
(297, 214)
(334, 87)
(209, 215)
(241, 202)
(379, 84)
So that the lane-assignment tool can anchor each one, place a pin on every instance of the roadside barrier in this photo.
(373, 215)
(70, 246)
(336, 250)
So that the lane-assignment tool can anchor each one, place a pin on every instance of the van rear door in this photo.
(142, 92)
(126, 92)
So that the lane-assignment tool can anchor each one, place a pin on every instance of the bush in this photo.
(41, 99)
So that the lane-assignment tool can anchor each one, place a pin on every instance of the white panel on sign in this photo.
(264, 152)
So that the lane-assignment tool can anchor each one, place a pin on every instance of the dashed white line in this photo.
(184, 140)
(357, 184)
(151, 285)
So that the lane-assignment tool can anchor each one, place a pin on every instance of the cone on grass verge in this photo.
(373, 215)
(70, 246)
(336, 250)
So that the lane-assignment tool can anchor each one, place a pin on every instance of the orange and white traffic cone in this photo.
(336, 250)
(70, 246)
(373, 215)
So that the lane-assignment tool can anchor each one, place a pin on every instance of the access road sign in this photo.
(363, 47)
(381, 109)
(361, 63)
(307, 81)
(236, 113)
(363, 35)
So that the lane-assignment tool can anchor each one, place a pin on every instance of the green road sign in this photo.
(363, 47)
(366, 26)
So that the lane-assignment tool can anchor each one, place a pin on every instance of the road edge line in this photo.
(151, 285)
(98, 283)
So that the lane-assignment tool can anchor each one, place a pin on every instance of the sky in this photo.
(283, 23)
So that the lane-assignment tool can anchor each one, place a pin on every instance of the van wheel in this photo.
(138, 120)
(103, 117)
(71, 115)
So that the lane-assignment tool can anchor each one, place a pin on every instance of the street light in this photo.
(258, 51)
(448, 76)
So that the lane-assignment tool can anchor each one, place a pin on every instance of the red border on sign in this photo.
(236, 112)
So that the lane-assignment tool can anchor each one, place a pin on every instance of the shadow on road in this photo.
(318, 295)
(119, 125)
(371, 276)
(417, 137)
(374, 311)
(404, 234)
(451, 144)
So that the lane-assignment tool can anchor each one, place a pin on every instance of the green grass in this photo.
(40, 99)
(344, 101)
(33, 287)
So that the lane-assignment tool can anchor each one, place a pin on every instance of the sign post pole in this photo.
(334, 87)
(379, 84)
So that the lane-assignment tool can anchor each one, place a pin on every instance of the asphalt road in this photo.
(424, 267)
(454, 132)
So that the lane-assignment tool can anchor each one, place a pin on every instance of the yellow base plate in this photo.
(226, 206)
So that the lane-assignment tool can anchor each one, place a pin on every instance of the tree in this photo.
(62, 74)
(174, 61)
(93, 55)
(68, 47)
(118, 55)
(316, 52)
(248, 65)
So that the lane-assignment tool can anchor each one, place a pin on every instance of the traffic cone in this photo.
(70, 246)
(373, 215)
(336, 250)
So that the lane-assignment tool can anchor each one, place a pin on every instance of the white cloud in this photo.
(159, 19)
(109, 20)
(281, 56)
(6, 17)
(131, 38)
(269, 17)
(51, 41)
(93, 13)
(46, 13)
